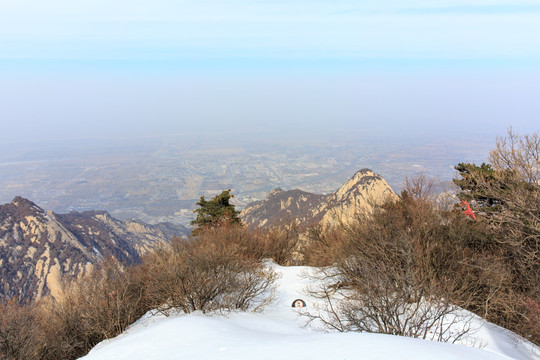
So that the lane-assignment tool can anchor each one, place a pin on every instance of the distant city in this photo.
(161, 179)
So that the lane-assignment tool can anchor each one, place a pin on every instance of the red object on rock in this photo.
(469, 211)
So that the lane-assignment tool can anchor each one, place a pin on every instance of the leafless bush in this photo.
(113, 299)
(206, 274)
(280, 243)
(381, 311)
(96, 307)
(422, 188)
(531, 319)
(323, 246)
(519, 154)
(388, 294)
(277, 243)
(18, 331)
(395, 271)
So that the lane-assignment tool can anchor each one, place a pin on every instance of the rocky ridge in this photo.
(358, 194)
(39, 248)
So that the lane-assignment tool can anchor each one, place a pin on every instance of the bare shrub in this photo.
(395, 273)
(383, 311)
(518, 153)
(96, 307)
(280, 243)
(530, 326)
(323, 246)
(62, 334)
(113, 299)
(421, 187)
(206, 273)
(18, 331)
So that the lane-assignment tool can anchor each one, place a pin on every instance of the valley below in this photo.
(160, 179)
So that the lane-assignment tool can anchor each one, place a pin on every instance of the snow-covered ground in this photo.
(279, 333)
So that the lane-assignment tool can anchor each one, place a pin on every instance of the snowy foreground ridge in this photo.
(278, 333)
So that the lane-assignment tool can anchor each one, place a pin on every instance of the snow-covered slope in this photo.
(278, 333)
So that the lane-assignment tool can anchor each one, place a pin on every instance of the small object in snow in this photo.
(298, 303)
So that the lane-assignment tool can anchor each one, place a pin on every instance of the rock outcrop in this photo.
(38, 248)
(357, 195)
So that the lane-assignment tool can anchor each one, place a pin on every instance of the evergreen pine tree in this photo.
(216, 212)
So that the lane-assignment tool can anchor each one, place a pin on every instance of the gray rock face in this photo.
(357, 195)
(38, 249)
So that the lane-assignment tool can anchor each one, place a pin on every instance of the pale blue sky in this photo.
(98, 67)
(170, 30)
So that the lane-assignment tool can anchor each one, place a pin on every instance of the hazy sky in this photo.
(108, 68)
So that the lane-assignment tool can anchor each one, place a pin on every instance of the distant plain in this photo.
(158, 179)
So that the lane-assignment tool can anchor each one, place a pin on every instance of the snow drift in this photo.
(280, 331)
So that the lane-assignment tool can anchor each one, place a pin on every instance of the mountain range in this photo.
(356, 195)
(40, 248)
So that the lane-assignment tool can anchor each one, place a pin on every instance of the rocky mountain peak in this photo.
(358, 194)
(275, 192)
(365, 176)
(25, 206)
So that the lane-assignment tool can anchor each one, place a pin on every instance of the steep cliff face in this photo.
(125, 240)
(357, 195)
(38, 248)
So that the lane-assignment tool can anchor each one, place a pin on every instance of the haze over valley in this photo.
(299, 122)
(159, 179)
